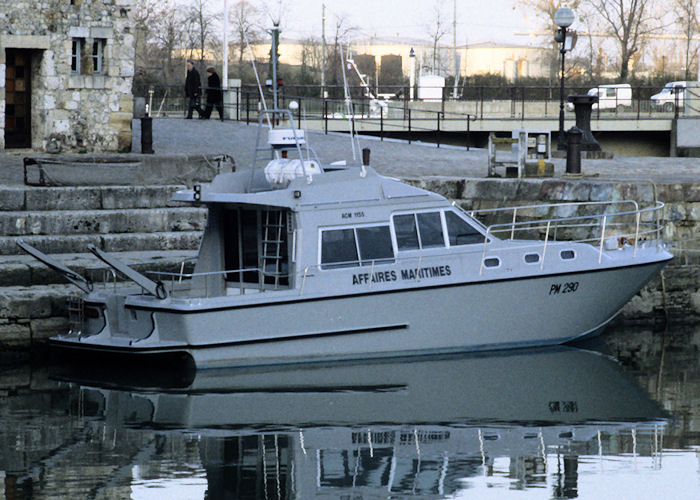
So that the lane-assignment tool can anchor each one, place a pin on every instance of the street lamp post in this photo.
(563, 17)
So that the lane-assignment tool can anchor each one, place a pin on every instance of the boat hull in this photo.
(509, 313)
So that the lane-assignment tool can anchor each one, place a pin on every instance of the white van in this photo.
(615, 97)
(672, 93)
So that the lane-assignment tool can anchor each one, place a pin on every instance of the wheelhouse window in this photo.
(430, 230)
(406, 233)
(357, 246)
(460, 231)
(375, 244)
(419, 231)
(338, 248)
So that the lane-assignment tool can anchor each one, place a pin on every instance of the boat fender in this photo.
(613, 243)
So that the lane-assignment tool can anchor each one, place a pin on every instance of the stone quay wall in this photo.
(73, 107)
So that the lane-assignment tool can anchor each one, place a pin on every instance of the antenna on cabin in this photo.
(257, 78)
(348, 107)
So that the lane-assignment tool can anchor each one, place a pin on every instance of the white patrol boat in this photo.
(302, 261)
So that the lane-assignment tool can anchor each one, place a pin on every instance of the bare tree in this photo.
(544, 11)
(146, 50)
(628, 22)
(437, 27)
(341, 39)
(687, 21)
(592, 46)
(310, 60)
(246, 21)
(199, 27)
(159, 29)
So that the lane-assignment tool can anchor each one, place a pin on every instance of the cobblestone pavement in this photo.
(389, 157)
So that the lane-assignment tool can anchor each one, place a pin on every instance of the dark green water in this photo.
(618, 419)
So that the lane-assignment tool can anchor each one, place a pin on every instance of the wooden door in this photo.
(18, 127)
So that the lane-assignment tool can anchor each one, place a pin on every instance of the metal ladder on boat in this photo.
(273, 227)
(76, 314)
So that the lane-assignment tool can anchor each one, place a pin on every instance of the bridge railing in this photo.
(393, 111)
(382, 117)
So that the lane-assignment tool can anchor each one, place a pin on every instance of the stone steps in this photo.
(67, 219)
(120, 242)
(25, 269)
(74, 222)
(30, 315)
(138, 225)
(19, 198)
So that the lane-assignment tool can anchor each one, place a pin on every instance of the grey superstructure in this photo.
(302, 261)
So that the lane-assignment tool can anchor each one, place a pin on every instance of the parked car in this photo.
(673, 93)
(615, 97)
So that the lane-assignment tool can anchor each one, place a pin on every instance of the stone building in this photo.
(66, 72)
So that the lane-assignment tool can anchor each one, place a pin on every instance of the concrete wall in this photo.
(688, 133)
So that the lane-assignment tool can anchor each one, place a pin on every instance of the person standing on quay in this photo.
(192, 90)
(214, 95)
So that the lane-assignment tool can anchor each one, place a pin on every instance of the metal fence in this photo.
(380, 116)
(395, 112)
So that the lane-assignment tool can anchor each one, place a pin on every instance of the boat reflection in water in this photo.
(429, 426)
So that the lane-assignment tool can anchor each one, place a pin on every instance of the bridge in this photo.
(484, 110)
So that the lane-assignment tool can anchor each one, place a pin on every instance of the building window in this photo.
(98, 46)
(76, 54)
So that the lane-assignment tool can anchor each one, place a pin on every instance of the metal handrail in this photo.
(528, 225)
(658, 206)
(107, 272)
(550, 205)
(262, 274)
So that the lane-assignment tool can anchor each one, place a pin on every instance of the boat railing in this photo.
(627, 227)
(526, 210)
(181, 281)
(108, 275)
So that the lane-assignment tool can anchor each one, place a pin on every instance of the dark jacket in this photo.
(193, 84)
(214, 94)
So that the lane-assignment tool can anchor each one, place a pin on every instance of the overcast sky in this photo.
(477, 21)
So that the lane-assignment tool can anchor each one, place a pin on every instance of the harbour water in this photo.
(615, 418)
